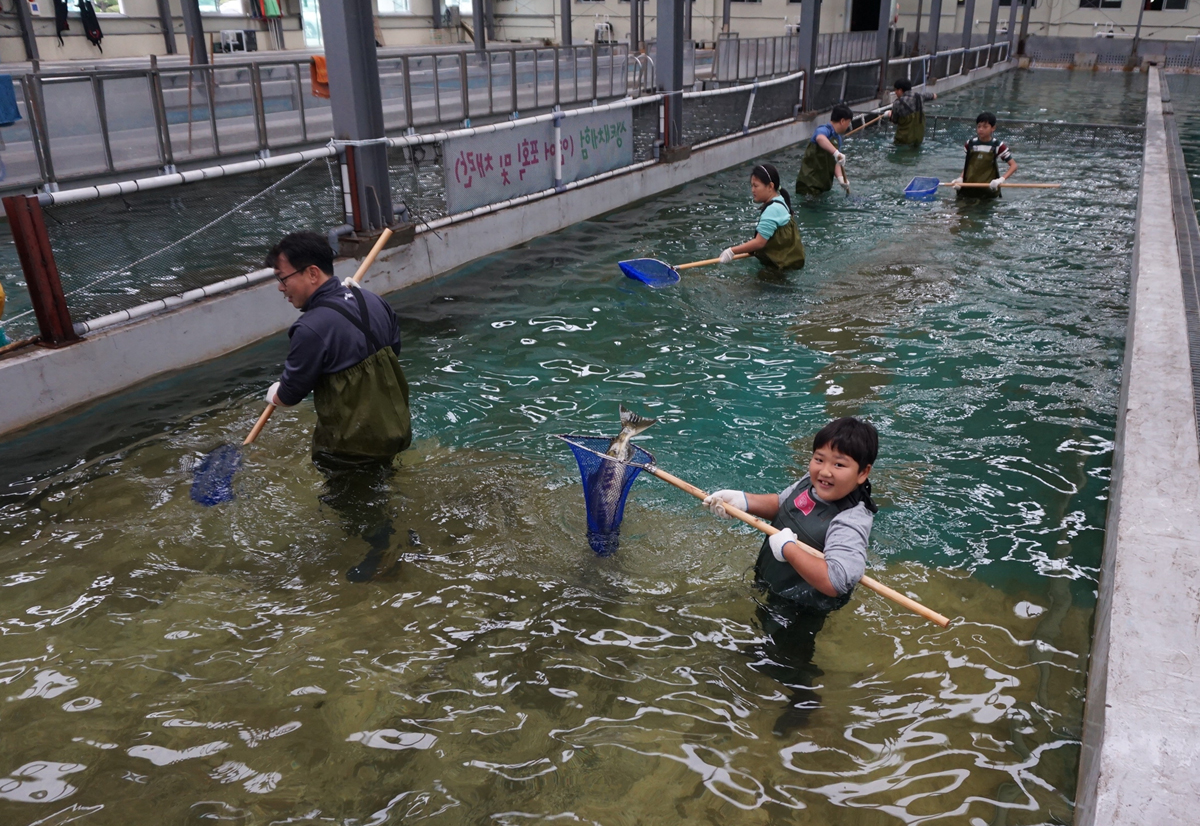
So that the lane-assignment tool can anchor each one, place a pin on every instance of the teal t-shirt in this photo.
(773, 217)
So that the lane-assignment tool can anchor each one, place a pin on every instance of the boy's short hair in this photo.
(903, 84)
(303, 250)
(986, 117)
(857, 439)
(841, 112)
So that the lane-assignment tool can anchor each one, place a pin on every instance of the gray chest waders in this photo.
(780, 578)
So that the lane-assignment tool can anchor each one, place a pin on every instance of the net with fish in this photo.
(606, 483)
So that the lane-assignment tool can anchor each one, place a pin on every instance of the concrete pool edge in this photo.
(1141, 728)
(57, 381)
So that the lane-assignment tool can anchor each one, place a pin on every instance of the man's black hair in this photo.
(857, 439)
(303, 250)
(841, 112)
(903, 84)
(986, 117)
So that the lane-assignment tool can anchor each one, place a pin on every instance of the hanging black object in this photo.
(60, 20)
(91, 24)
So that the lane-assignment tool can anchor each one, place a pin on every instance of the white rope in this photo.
(187, 237)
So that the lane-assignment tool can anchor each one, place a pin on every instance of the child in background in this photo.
(823, 161)
(984, 152)
(908, 113)
(777, 241)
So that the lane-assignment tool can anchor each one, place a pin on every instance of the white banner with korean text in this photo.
(486, 169)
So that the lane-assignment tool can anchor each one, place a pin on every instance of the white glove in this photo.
(271, 391)
(957, 183)
(726, 255)
(839, 158)
(350, 283)
(845, 185)
(780, 539)
(715, 502)
(995, 184)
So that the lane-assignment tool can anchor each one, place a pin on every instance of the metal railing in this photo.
(749, 58)
(105, 122)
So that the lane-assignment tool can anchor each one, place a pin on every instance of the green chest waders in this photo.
(910, 129)
(362, 411)
(981, 168)
(784, 249)
(816, 171)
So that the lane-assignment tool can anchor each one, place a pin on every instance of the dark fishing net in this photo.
(606, 483)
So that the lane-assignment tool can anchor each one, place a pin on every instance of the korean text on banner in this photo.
(486, 169)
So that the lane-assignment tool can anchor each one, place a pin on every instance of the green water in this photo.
(164, 663)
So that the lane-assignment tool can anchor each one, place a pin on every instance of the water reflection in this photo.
(168, 663)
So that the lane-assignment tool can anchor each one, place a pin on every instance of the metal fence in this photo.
(119, 246)
(107, 122)
(748, 58)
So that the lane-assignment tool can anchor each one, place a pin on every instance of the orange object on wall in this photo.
(320, 78)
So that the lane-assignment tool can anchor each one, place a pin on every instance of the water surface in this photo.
(164, 663)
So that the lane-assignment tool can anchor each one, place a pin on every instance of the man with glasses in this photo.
(343, 350)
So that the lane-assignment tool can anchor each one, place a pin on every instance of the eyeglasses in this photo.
(283, 278)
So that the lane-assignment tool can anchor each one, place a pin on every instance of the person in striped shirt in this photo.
(982, 166)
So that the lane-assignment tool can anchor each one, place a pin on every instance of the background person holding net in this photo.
(823, 161)
(908, 113)
(776, 242)
(830, 509)
(343, 349)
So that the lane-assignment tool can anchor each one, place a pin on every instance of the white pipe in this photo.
(729, 90)
(142, 310)
(91, 193)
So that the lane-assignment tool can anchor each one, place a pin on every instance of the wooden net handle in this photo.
(770, 530)
(708, 261)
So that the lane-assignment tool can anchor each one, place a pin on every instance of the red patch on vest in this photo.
(804, 503)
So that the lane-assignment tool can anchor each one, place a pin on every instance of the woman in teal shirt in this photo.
(776, 242)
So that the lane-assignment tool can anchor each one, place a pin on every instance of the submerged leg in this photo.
(360, 492)
(786, 655)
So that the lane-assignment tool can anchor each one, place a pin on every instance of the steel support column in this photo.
(883, 44)
(27, 34)
(810, 29)
(670, 69)
(564, 11)
(968, 24)
(935, 25)
(193, 27)
(1012, 26)
(991, 35)
(168, 25)
(354, 97)
(726, 13)
(479, 26)
(1025, 26)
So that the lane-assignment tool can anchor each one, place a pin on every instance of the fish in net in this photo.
(606, 484)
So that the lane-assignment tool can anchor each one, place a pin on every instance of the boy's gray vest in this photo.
(809, 517)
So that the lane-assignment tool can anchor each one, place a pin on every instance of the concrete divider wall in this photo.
(53, 381)
(1141, 737)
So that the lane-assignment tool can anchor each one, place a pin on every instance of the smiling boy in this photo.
(829, 509)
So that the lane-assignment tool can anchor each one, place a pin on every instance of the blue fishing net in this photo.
(606, 483)
(213, 482)
(650, 271)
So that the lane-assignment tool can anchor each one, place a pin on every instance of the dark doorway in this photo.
(864, 15)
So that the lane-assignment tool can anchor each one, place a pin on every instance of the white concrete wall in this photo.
(53, 381)
(1141, 741)
(1061, 18)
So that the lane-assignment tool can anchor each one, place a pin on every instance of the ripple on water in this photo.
(170, 663)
